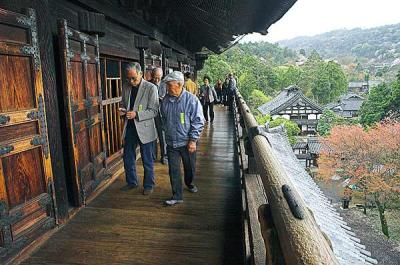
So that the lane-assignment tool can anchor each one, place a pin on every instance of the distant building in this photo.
(362, 87)
(293, 105)
(347, 106)
(307, 151)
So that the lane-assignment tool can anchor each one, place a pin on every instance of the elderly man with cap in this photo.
(183, 122)
(139, 105)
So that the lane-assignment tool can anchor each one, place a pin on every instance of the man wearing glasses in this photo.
(139, 105)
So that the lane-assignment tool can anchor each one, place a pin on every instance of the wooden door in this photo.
(84, 114)
(26, 182)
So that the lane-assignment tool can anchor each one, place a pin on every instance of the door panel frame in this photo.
(81, 190)
(14, 239)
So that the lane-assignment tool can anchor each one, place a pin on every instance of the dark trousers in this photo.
(208, 106)
(220, 96)
(175, 155)
(230, 97)
(146, 151)
(161, 138)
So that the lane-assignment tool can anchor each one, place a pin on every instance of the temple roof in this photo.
(346, 246)
(287, 98)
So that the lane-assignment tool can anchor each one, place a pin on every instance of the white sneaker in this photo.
(172, 202)
(194, 189)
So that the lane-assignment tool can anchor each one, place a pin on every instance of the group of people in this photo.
(220, 93)
(171, 109)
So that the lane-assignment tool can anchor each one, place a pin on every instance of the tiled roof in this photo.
(286, 98)
(346, 246)
(371, 83)
(314, 146)
(347, 102)
(300, 145)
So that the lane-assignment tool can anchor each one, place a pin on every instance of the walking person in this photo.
(191, 86)
(231, 90)
(183, 123)
(156, 76)
(139, 105)
(225, 92)
(218, 89)
(208, 97)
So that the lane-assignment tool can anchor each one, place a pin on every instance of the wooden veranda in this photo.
(120, 227)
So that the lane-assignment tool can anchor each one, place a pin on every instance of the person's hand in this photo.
(192, 147)
(122, 111)
(131, 115)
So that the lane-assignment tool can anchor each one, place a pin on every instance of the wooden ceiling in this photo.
(211, 24)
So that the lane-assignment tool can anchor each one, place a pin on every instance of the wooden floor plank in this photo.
(129, 228)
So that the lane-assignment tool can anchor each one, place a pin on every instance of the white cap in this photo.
(174, 76)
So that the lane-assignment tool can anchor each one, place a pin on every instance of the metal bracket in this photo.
(46, 200)
(294, 206)
(89, 122)
(5, 218)
(6, 149)
(85, 57)
(38, 140)
(30, 21)
(4, 119)
(43, 127)
(33, 115)
(257, 130)
(89, 102)
(74, 107)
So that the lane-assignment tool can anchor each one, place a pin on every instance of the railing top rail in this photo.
(301, 240)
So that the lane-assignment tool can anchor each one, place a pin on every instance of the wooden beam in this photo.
(52, 104)
(122, 16)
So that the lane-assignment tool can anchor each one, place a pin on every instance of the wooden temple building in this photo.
(61, 71)
(293, 105)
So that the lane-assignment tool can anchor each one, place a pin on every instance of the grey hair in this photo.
(134, 66)
(155, 69)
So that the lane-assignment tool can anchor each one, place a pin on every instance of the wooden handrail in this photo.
(300, 238)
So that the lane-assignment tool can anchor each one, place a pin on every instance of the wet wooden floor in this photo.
(128, 228)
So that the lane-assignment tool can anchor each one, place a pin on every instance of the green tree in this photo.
(256, 99)
(376, 106)
(326, 122)
(329, 120)
(216, 68)
(329, 82)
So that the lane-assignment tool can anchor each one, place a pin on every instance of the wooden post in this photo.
(50, 96)
(301, 240)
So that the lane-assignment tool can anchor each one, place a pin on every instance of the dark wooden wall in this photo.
(118, 41)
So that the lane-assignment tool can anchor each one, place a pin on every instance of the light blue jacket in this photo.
(182, 119)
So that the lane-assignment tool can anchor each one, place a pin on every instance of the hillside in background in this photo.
(374, 50)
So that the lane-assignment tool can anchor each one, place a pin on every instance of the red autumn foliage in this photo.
(369, 159)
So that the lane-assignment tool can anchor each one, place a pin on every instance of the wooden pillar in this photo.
(167, 53)
(142, 43)
(142, 59)
(45, 36)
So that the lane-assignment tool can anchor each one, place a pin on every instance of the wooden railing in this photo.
(278, 226)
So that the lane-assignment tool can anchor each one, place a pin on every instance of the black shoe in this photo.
(129, 187)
